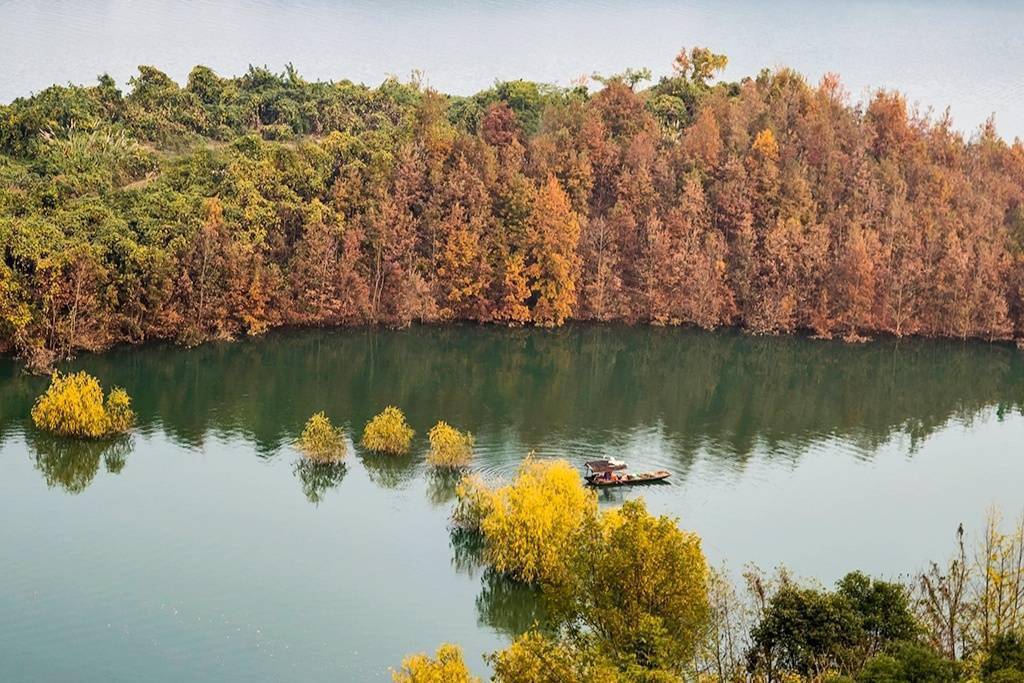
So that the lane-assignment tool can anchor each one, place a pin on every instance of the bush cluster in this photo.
(449, 447)
(73, 405)
(388, 432)
(321, 441)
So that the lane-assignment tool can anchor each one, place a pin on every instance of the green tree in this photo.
(637, 592)
(808, 631)
(909, 663)
(1006, 655)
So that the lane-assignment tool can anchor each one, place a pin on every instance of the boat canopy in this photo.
(599, 466)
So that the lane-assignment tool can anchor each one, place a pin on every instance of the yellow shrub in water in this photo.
(447, 666)
(388, 432)
(474, 501)
(73, 405)
(120, 416)
(449, 447)
(532, 525)
(321, 441)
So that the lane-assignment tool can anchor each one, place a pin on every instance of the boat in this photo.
(612, 472)
(605, 465)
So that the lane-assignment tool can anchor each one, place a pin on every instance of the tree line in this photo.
(233, 205)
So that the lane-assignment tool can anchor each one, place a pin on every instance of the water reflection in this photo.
(73, 464)
(389, 471)
(662, 397)
(509, 607)
(441, 484)
(467, 551)
(319, 477)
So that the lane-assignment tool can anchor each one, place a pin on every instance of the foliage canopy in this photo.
(388, 432)
(449, 447)
(321, 441)
(532, 526)
(446, 666)
(73, 405)
(231, 205)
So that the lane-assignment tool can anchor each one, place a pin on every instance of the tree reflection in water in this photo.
(389, 471)
(679, 395)
(72, 464)
(441, 484)
(509, 607)
(318, 478)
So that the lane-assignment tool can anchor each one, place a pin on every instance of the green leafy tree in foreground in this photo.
(1005, 660)
(637, 593)
(808, 631)
(909, 663)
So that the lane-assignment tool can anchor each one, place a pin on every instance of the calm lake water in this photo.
(199, 551)
(965, 55)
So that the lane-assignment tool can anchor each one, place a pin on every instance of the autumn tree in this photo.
(446, 666)
(532, 525)
(551, 240)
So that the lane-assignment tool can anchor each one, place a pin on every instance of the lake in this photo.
(965, 55)
(199, 550)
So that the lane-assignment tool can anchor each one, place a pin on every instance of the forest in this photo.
(231, 206)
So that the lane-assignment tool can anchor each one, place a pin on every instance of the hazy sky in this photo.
(957, 54)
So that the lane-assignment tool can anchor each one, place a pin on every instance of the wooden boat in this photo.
(611, 473)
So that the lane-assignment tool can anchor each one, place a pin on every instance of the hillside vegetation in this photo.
(233, 205)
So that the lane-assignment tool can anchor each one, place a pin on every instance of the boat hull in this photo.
(630, 479)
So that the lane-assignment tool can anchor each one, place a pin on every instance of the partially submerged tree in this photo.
(321, 441)
(449, 447)
(73, 405)
(388, 432)
(532, 526)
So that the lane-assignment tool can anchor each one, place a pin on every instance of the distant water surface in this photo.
(965, 55)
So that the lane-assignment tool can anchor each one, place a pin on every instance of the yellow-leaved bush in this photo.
(473, 502)
(321, 441)
(388, 432)
(531, 526)
(449, 447)
(446, 666)
(73, 405)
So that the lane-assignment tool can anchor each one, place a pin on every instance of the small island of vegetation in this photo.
(321, 442)
(388, 432)
(74, 406)
(449, 447)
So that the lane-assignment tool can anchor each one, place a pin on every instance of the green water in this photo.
(199, 550)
